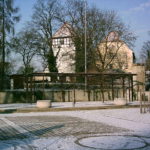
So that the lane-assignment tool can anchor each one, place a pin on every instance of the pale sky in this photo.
(135, 13)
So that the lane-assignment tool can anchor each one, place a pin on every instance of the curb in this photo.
(26, 110)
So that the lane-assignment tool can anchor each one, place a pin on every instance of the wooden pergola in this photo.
(87, 82)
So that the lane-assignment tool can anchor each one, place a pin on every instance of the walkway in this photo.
(117, 129)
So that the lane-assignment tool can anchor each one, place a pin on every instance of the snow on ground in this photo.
(128, 118)
(62, 104)
(112, 142)
(15, 106)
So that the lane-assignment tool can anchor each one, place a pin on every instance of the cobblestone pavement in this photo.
(19, 132)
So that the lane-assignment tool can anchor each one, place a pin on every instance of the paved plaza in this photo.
(112, 129)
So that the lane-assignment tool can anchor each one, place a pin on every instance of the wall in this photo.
(65, 60)
(58, 96)
(138, 69)
(117, 54)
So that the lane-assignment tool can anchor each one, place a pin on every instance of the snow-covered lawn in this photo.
(135, 135)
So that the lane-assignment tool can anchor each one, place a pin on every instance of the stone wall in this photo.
(59, 96)
(12, 97)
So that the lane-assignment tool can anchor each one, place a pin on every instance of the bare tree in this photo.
(99, 25)
(146, 53)
(44, 20)
(112, 53)
(25, 44)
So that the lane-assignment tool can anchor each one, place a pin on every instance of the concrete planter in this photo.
(120, 101)
(43, 103)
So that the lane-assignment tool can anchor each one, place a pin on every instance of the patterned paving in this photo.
(83, 134)
(47, 126)
(9, 133)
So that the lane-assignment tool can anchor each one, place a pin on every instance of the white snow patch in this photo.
(112, 142)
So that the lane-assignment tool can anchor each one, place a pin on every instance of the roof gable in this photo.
(63, 31)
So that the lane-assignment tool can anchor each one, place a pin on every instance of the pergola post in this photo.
(132, 87)
(31, 87)
(112, 87)
(33, 79)
(27, 90)
(43, 88)
(123, 86)
(74, 97)
(129, 89)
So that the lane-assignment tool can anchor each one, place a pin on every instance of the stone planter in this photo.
(43, 103)
(120, 101)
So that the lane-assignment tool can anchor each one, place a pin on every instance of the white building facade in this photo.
(64, 48)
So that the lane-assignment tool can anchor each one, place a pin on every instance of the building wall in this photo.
(115, 54)
(66, 58)
(139, 70)
(64, 49)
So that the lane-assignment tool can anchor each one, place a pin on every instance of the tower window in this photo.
(62, 41)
